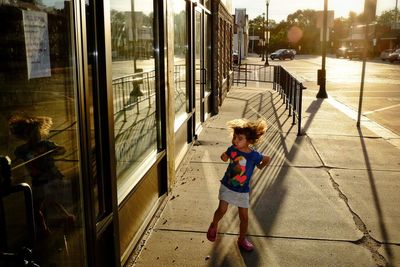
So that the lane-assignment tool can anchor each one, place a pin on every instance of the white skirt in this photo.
(240, 200)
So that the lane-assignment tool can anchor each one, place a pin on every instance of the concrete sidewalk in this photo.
(329, 198)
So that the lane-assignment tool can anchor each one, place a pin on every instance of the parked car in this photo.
(342, 52)
(385, 54)
(282, 54)
(395, 56)
(235, 57)
(355, 52)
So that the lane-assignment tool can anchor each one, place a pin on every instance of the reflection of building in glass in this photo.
(122, 94)
(132, 35)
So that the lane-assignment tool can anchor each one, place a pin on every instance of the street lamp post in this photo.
(263, 38)
(267, 37)
(322, 72)
(252, 41)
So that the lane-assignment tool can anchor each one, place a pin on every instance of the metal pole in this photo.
(322, 73)
(369, 15)
(267, 39)
(240, 46)
(363, 75)
(262, 52)
(395, 13)
(133, 22)
(252, 43)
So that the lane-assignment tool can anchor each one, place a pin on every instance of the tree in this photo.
(118, 32)
(305, 20)
(278, 37)
(256, 27)
(387, 18)
(340, 31)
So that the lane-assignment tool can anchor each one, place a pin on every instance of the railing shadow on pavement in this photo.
(268, 184)
(290, 88)
(269, 189)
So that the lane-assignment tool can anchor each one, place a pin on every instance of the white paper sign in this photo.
(240, 17)
(36, 44)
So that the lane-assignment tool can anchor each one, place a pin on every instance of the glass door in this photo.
(207, 64)
(41, 200)
(199, 68)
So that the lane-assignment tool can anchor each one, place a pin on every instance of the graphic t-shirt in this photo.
(41, 167)
(240, 169)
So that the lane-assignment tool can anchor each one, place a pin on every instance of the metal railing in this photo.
(252, 72)
(133, 89)
(290, 89)
(135, 113)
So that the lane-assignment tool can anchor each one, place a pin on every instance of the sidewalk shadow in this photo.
(312, 109)
(371, 179)
(270, 190)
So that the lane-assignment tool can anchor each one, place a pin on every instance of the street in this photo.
(381, 101)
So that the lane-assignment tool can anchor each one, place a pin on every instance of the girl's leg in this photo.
(39, 210)
(244, 222)
(219, 213)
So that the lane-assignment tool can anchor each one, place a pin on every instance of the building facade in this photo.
(100, 101)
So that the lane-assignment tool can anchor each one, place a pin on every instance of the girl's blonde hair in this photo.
(28, 127)
(253, 130)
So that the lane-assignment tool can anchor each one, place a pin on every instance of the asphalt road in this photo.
(381, 101)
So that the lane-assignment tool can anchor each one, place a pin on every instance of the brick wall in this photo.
(222, 53)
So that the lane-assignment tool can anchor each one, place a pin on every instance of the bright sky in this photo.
(279, 9)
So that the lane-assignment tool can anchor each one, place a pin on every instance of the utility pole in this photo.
(262, 50)
(267, 37)
(252, 42)
(322, 72)
(369, 15)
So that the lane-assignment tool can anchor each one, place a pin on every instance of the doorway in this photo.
(201, 62)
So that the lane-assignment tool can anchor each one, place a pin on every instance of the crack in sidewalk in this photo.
(367, 241)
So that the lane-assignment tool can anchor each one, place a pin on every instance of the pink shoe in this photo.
(245, 244)
(212, 233)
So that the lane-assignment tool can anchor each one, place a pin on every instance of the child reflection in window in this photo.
(38, 153)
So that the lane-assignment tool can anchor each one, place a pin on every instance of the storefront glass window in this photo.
(198, 61)
(207, 4)
(180, 59)
(134, 90)
(39, 133)
(207, 52)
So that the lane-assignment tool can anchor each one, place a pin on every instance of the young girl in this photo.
(38, 153)
(234, 187)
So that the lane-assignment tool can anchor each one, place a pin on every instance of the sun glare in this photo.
(343, 7)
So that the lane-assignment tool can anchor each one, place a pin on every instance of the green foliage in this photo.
(387, 17)
(341, 28)
(305, 20)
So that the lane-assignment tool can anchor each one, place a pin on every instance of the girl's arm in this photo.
(264, 162)
(224, 157)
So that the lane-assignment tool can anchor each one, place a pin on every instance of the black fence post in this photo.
(245, 75)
